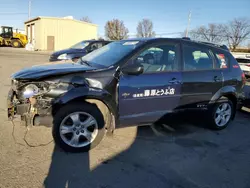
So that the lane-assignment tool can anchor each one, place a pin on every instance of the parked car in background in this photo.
(128, 82)
(244, 63)
(78, 50)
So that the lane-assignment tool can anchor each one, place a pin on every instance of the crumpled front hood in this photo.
(42, 71)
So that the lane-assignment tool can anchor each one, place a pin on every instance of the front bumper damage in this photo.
(34, 109)
(32, 112)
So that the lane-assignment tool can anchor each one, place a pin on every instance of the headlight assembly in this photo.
(30, 90)
(63, 56)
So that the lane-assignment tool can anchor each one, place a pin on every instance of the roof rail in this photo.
(217, 45)
(186, 38)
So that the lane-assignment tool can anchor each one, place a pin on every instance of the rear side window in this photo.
(222, 61)
(196, 58)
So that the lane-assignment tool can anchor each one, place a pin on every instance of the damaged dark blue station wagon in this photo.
(127, 82)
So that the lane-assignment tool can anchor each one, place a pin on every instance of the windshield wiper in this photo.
(85, 62)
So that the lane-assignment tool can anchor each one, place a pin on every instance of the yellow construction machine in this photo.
(9, 38)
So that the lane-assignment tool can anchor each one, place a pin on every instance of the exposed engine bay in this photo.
(31, 100)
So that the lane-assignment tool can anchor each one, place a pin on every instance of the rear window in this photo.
(222, 60)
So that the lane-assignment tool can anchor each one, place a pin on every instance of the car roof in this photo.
(184, 39)
(147, 39)
(97, 41)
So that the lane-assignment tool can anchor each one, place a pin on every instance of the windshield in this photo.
(111, 53)
(80, 45)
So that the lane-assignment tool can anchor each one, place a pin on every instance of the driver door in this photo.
(145, 98)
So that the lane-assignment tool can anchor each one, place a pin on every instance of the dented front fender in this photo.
(84, 92)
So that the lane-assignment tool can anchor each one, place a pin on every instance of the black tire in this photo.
(212, 114)
(78, 107)
(16, 43)
(75, 59)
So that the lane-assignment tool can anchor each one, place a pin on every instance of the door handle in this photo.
(174, 81)
(217, 79)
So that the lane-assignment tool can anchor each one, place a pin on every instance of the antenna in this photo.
(189, 19)
(29, 8)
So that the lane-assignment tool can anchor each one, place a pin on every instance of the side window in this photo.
(222, 60)
(95, 46)
(159, 58)
(99, 44)
(196, 58)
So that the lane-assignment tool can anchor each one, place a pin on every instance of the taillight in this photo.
(248, 65)
(243, 78)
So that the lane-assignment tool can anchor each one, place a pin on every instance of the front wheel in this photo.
(78, 127)
(221, 115)
(15, 43)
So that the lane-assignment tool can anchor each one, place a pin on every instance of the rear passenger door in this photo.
(145, 98)
(201, 78)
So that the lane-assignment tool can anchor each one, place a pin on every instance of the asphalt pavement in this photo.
(192, 156)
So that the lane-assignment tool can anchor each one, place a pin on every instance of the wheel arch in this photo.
(100, 98)
(228, 92)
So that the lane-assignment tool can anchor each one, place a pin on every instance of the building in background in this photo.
(51, 33)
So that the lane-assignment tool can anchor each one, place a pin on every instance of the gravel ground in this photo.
(192, 156)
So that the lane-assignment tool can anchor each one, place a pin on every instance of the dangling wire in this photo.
(13, 134)
(24, 138)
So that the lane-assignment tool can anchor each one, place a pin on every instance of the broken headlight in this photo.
(30, 90)
(48, 89)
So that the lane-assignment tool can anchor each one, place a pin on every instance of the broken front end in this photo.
(33, 101)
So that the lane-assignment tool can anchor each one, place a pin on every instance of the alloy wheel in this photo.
(223, 114)
(78, 129)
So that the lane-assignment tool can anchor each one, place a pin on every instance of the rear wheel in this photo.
(15, 43)
(78, 127)
(222, 114)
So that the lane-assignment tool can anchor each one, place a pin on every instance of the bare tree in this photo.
(145, 29)
(116, 30)
(237, 31)
(86, 19)
(211, 33)
(100, 38)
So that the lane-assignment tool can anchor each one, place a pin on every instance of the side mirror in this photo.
(133, 69)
